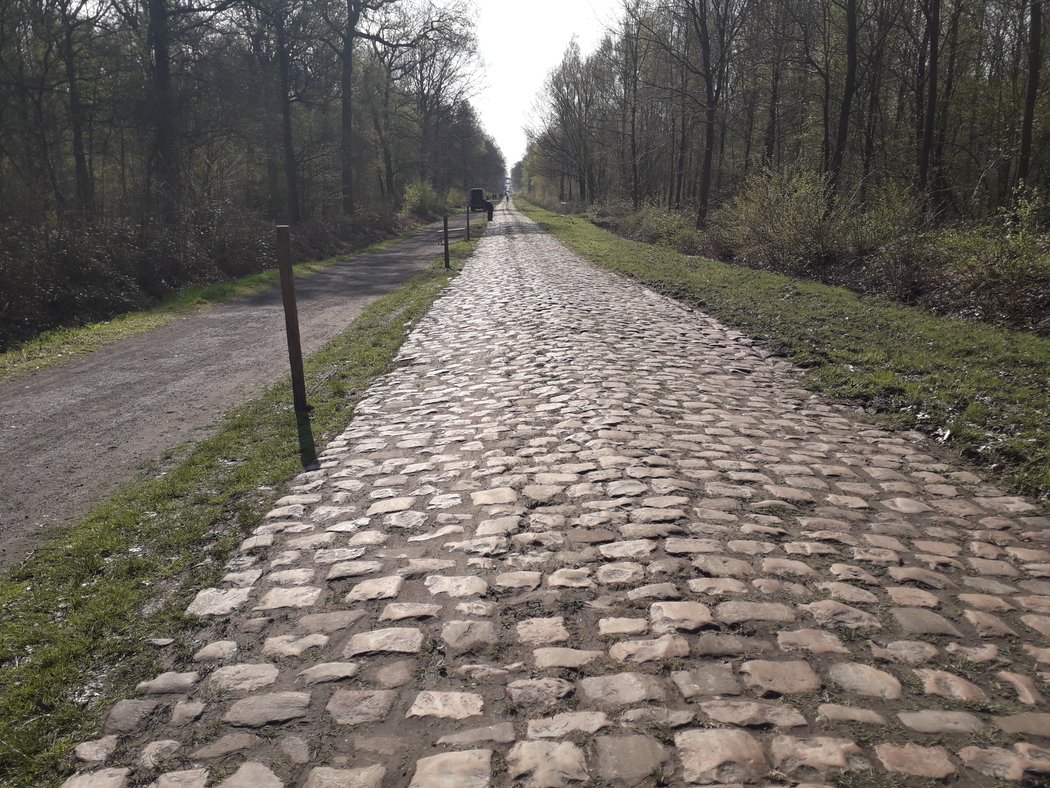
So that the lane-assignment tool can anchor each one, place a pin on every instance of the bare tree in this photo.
(1035, 38)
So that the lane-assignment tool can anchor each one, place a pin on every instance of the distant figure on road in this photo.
(489, 208)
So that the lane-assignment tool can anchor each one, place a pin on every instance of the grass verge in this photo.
(64, 344)
(75, 619)
(981, 390)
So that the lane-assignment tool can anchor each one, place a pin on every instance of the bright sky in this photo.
(520, 42)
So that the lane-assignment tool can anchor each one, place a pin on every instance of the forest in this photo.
(898, 147)
(149, 144)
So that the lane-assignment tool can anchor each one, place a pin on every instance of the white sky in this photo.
(520, 42)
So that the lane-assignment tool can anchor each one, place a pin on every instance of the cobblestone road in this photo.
(583, 535)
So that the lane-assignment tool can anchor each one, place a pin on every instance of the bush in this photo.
(455, 198)
(611, 211)
(655, 225)
(782, 219)
(70, 273)
(786, 220)
(233, 243)
(421, 200)
(997, 273)
(890, 215)
(58, 273)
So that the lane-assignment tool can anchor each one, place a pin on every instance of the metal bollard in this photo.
(444, 221)
(291, 318)
(307, 448)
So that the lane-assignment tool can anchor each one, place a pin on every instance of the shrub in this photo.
(233, 243)
(786, 220)
(612, 210)
(781, 219)
(63, 274)
(59, 274)
(1000, 273)
(662, 226)
(455, 198)
(421, 200)
(888, 216)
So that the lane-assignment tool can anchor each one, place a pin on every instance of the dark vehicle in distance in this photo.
(477, 200)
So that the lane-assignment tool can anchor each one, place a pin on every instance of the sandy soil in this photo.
(71, 434)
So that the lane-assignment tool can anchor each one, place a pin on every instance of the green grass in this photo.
(64, 344)
(981, 390)
(75, 618)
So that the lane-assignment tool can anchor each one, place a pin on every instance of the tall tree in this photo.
(1035, 38)
(175, 131)
(933, 93)
(75, 18)
(932, 37)
(354, 20)
(849, 89)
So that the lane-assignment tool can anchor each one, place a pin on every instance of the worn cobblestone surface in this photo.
(583, 535)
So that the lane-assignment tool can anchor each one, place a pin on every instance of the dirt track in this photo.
(73, 433)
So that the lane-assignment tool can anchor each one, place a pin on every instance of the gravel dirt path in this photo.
(73, 433)
(585, 536)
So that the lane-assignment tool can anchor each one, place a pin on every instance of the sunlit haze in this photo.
(520, 42)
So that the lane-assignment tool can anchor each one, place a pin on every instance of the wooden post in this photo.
(444, 221)
(291, 319)
(468, 221)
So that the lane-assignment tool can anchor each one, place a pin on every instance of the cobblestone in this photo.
(582, 534)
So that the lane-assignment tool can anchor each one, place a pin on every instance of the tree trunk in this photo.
(387, 179)
(704, 193)
(1035, 37)
(771, 123)
(750, 110)
(165, 157)
(920, 92)
(346, 121)
(673, 158)
(425, 137)
(85, 199)
(388, 156)
(776, 70)
(683, 141)
(722, 129)
(44, 150)
(623, 154)
(933, 24)
(940, 171)
(710, 115)
(825, 73)
(636, 195)
(871, 122)
(848, 89)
